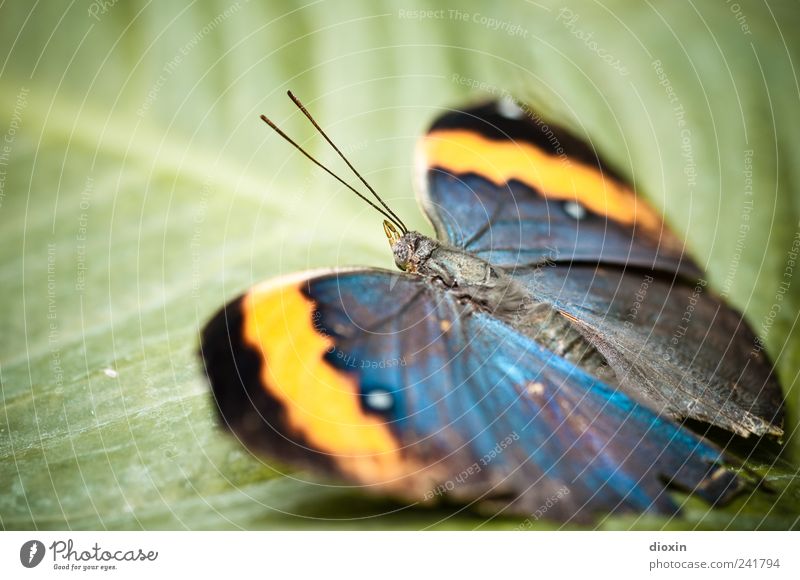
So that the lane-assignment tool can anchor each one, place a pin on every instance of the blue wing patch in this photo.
(455, 403)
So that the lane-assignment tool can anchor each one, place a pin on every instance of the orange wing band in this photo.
(321, 402)
(461, 151)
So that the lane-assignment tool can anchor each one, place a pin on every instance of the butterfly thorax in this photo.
(469, 276)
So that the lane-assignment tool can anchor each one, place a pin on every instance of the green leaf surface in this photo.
(139, 191)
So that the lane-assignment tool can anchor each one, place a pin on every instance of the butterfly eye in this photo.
(379, 400)
(574, 210)
(402, 255)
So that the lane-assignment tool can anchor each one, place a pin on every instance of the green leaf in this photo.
(139, 191)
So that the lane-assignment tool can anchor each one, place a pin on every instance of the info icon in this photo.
(31, 553)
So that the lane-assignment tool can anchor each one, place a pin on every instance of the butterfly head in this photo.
(411, 250)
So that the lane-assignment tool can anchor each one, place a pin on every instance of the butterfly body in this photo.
(539, 351)
(492, 289)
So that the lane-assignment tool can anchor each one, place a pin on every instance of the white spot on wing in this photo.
(536, 389)
(574, 210)
(379, 400)
(509, 109)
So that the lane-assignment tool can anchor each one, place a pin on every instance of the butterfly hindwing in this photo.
(499, 183)
(391, 382)
(675, 347)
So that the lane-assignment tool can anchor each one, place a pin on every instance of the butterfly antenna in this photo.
(302, 107)
(339, 179)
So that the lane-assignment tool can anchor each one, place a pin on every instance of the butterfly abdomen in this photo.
(554, 330)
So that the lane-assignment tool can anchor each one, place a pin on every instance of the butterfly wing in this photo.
(517, 192)
(674, 347)
(390, 382)
(500, 183)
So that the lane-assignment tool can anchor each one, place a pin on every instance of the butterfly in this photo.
(540, 355)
